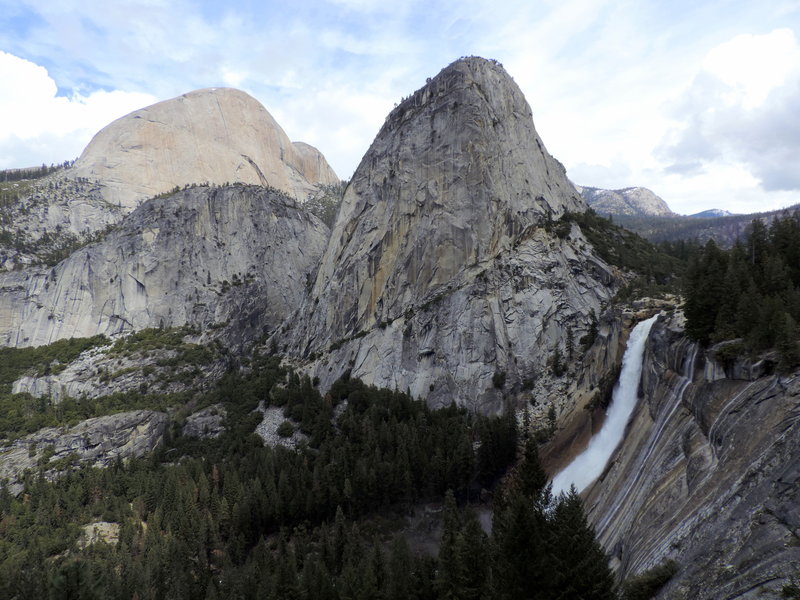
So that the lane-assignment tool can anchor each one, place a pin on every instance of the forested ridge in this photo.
(231, 518)
(750, 293)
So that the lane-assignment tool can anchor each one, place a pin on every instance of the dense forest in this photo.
(229, 517)
(750, 293)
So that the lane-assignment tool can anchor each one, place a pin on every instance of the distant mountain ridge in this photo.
(724, 230)
(712, 213)
(633, 201)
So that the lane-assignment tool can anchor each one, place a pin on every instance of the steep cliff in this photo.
(443, 266)
(239, 257)
(707, 474)
(212, 136)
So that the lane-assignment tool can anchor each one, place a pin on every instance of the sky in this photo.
(697, 101)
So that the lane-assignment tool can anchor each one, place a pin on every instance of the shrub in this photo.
(285, 429)
(499, 379)
(645, 585)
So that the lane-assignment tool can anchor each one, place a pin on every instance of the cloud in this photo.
(742, 109)
(37, 125)
(596, 72)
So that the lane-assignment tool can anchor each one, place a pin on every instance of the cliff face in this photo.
(97, 442)
(207, 257)
(442, 268)
(707, 475)
(214, 135)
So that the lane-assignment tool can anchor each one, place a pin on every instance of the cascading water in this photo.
(589, 464)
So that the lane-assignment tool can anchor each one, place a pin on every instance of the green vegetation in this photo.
(647, 584)
(540, 548)
(791, 590)
(658, 272)
(10, 194)
(285, 429)
(148, 341)
(230, 518)
(750, 292)
(42, 360)
(723, 230)
(326, 201)
(499, 379)
(52, 247)
(21, 414)
(31, 173)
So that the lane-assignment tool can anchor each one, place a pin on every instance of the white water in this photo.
(589, 464)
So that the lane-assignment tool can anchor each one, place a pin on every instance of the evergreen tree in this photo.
(580, 563)
(521, 565)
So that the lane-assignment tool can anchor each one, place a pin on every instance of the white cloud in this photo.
(741, 112)
(751, 66)
(597, 73)
(37, 125)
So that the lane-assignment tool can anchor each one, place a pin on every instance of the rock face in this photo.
(98, 442)
(634, 201)
(206, 423)
(214, 135)
(442, 268)
(707, 475)
(97, 372)
(239, 256)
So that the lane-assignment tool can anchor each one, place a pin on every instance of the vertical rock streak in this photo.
(707, 474)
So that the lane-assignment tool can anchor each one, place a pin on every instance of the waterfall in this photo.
(589, 464)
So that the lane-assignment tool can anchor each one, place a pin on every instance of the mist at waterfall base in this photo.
(589, 464)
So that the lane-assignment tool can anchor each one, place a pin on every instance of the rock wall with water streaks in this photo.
(707, 475)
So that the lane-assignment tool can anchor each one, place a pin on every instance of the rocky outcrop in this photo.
(97, 442)
(99, 532)
(101, 372)
(225, 259)
(707, 475)
(633, 201)
(206, 423)
(580, 401)
(443, 267)
(214, 135)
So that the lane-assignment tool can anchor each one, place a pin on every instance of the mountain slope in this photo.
(210, 136)
(712, 213)
(442, 269)
(214, 135)
(723, 230)
(203, 256)
(637, 201)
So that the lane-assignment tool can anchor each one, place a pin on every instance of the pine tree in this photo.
(470, 559)
(400, 570)
(447, 572)
(580, 563)
(521, 565)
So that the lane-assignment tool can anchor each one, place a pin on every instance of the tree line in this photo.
(750, 293)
